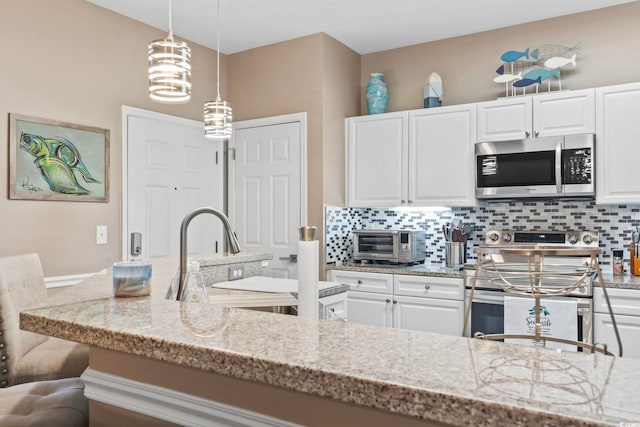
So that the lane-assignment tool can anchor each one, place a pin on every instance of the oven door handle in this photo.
(559, 167)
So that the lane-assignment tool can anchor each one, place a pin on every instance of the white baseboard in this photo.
(60, 281)
(170, 405)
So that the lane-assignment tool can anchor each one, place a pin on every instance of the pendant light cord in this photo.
(218, 52)
(170, 23)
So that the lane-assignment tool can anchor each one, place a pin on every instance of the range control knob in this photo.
(573, 239)
(494, 237)
(587, 239)
(506, 237)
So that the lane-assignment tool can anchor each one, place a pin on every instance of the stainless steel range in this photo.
(488, 301)
(528, 239)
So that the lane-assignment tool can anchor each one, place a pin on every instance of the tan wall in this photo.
(341, 99)
(72, 61)
(610, 41)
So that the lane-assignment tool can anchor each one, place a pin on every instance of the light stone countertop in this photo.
(454, 380)
(626, 281)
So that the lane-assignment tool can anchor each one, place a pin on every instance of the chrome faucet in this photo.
(233, 240)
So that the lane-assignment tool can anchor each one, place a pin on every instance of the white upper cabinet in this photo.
(505, 119)
(376, 159)
(415, 158)
(617, 144)
(552, 114)
(441, 157)
(564, 113)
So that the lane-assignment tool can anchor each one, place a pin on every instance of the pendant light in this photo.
(217, 114)
(169, 69)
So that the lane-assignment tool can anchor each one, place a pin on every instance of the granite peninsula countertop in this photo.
(453, 380)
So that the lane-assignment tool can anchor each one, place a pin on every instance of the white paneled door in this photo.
(170, 169)
(266, 195)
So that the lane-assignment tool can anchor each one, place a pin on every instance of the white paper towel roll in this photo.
(308, 279)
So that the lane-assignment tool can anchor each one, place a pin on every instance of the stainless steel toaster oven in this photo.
(394, 246)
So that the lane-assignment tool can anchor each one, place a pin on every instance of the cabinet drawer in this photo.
(364, 282)
(623, 301)
(431, 287)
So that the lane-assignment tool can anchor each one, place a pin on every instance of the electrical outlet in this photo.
(236, 271)
(101, 234)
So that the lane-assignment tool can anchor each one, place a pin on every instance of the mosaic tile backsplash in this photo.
(614, 223)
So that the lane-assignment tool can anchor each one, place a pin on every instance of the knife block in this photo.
(634, 261)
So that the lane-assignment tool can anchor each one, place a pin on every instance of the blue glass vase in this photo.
(376, 94)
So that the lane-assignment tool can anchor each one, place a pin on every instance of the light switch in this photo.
(101, 235)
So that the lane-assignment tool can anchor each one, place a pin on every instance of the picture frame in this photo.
(54, 160)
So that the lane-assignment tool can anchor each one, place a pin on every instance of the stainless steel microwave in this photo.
(561, 166)
(394, 246)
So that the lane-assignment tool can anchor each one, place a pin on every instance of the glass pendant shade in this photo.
(169, 71)
(217, 119)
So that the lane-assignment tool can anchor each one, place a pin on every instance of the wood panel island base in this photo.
(210, 361)
(219, 398)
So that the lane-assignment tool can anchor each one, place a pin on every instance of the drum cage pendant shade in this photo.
(217, 114)
(169, 69)
(217, 119)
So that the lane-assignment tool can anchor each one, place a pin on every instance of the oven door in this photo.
(522, 168)
(487, 314)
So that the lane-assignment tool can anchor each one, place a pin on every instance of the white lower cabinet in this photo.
(422, 303)
(626, 310)
(369, 308)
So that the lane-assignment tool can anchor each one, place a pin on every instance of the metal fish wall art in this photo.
(526, 67)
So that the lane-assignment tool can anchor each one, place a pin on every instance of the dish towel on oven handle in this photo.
(558, 318)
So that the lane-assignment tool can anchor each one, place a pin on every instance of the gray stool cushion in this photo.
(25, 356)
(59, 403)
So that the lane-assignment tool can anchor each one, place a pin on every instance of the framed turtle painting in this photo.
(52, 160)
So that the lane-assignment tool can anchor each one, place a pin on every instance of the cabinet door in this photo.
(441, 156)
(369, 309)
(429, 287)
(428, 315)
(505, 119)
(376, 160)
(617, 144)
(629, 328)
(564, 113)
(364, 282)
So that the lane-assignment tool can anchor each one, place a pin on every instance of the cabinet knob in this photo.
(403, 201)
(527, 133)
(536, 133)
(359, 282)
(427, 287)
(395, 302)
(410, 201)
(388, 300)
